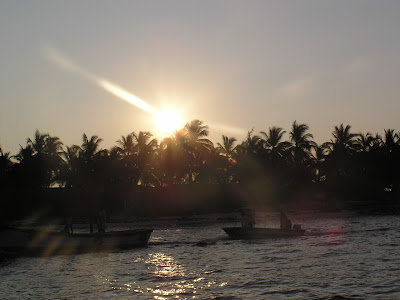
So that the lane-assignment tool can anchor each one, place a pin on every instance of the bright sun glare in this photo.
(169, 120)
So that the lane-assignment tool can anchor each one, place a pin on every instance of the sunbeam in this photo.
(167, 120)
(125, 95)
(226, 128)
(67, 64)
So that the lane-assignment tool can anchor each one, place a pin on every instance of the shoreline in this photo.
(204, 218)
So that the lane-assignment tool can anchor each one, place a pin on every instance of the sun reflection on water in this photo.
(163, 265)
(170, 279)
(159, 275)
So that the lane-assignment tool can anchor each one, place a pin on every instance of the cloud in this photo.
(227, 128)
(357, 65)
(299, 87)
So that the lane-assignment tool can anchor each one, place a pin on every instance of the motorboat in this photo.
(47, 242)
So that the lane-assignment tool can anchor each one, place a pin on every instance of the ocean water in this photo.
(341, 256)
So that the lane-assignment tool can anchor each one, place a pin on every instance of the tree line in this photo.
(349, 165)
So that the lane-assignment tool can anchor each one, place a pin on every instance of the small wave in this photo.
(339, 297)
(199, 243)
(204, 243)
(286, 292)
(213, 271)
(378, 229)
(322, 233)
(254, 283)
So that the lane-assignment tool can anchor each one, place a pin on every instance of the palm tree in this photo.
(5, 159)
(71, 167)
(227, 147)
(90, 148)
(196, 132)
(144, 148)
(25, 154)
(224, 160)
(391, 141)
(173, 159)
(302, 143)
(39, 142)
(144, 144)
(252, 145)
(53, 146)
(273, 142)
(53, 151)
(342, 161)
(390, 155)
(89, 155)
(196, 145)
(40, 161)
(5, 167)
(318, 161)
(344, 142)
(30, 172)
(126, 145)
(364, 142)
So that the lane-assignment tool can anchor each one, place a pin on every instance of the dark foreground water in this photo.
(341, 255)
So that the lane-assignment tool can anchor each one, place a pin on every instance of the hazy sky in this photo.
(239, 64)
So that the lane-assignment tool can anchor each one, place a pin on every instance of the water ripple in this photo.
(340, 258)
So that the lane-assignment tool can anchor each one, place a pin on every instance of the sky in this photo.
(235, 65)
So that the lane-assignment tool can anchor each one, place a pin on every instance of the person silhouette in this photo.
(285, 222)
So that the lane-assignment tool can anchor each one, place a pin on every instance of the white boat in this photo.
(45, 242)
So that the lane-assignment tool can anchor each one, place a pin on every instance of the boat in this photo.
(46, 242)
(264, 224)
(262, 233)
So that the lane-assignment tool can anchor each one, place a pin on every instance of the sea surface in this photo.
(342, 256)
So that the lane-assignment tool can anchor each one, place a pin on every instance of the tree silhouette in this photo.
(197, 146)
(364, 142)
(344, 142)
(39, 161)
(273, 142)
(173, 160)
(5, 168)
(227, 147)
(224, 161)
(126, 145)
(89, 155)
(318, 162)
(145, 147)
(302, 143)
(71, 167)
(90, 148)
(126, 149)
(264, 166)
(251, 146)
(38, 144)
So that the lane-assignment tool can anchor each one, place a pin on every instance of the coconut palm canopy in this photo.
(188, 156)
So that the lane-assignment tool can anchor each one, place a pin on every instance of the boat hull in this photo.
(262, 233)
(48, 242)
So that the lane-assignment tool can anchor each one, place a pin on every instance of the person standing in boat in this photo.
(248, 218)
(101, 221)
(68, 225)
(285, 222)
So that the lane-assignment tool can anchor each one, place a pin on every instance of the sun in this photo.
(169, 120)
